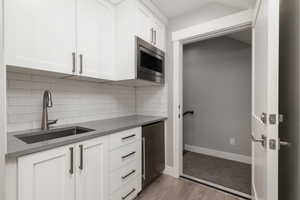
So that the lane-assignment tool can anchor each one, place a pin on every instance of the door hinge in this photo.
(272, 118)
(272, 144)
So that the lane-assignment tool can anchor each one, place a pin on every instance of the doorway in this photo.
(217, 112)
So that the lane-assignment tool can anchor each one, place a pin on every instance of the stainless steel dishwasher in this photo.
(153, 152)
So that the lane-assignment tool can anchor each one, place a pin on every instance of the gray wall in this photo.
(209, 12)
(289, 161)
(217, 86)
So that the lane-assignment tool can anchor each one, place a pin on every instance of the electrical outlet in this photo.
(232, 141)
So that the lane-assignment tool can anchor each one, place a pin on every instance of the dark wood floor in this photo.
(169, 188)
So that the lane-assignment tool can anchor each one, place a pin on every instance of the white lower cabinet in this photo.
(125, 164)
(66, 172)
(47, 175)
(92, 170)
(89, 170)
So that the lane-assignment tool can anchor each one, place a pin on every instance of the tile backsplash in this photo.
(76, 101)
(73, 101)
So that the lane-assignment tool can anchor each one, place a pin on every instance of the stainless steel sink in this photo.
(52, 134)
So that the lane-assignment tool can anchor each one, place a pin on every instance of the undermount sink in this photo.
(52, 134)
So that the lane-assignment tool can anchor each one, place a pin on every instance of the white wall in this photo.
(74, 101)
(217, 86)
(206, 13)
(289, 99)
(2, 110)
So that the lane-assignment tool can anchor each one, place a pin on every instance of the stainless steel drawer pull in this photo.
(128, 137)
(71, 170)
(129, 193)
(130, 173)
(128, 155)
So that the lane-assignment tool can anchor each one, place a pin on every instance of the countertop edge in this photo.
(16, 154)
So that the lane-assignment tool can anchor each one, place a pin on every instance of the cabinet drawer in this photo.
(124, 175)
(124, 137)
(129, 191)
(124, 155)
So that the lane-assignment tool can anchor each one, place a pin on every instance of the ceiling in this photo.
(175, 8)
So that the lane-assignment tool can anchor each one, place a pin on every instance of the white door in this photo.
(40, 34)
(265, 100)
(92, 167)
(95, 28)
(47, 175)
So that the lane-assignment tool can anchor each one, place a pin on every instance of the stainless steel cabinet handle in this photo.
(127, 175)
(81, 157)
(71, 170)
(128, 137)
(151, 30)
(74, 62)
(144, 157)
(129, 193)
(81, 63)
(128, 155)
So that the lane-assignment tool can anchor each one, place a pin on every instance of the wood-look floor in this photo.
(169, 188)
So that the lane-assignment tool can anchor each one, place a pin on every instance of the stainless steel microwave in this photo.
(150, 62)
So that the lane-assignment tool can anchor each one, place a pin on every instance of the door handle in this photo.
(144, 158)
(152, 34)
(263, 140)
(71, 170)
(81, 157)
(74, 62)
(284, 143)
(81, 63)
(188, 112)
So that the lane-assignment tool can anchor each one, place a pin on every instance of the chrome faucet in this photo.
(47, 103)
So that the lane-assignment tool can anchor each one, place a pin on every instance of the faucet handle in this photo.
(50, 122)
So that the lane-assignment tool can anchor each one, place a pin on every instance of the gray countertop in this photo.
(16, 147)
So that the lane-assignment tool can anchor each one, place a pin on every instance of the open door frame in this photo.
(214, 28)
(2, 108)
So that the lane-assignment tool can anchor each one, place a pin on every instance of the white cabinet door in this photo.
(159, 34)
(92, 166)
(40, 34)
(144, 28)
(95, 39)
(47, 175)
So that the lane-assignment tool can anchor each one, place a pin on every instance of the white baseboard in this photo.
(219, 154)
(169, 171)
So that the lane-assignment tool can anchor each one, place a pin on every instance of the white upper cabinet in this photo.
(134, 19)
(91, 39)
(40, 34)
(143, 23)
(159, 34)
(95, 28)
